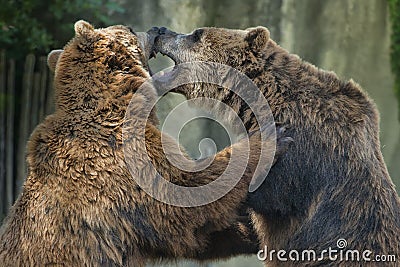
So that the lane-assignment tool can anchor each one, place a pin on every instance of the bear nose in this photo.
(162, 30)
(153, 30)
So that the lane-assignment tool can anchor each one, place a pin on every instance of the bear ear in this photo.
(52, 59)
(257, 38)
(83, 28)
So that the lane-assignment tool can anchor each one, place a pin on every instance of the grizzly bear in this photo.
(332, 187)
(80, 205)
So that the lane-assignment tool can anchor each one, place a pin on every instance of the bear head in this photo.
(236, 48)
(99, 69)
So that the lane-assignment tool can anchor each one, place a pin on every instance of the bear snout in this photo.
(166, 31)
(162, 30)
(154, 31)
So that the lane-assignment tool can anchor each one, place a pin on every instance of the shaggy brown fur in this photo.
(80, 206)
(333, 183)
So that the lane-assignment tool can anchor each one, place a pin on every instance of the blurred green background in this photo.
(350, 37)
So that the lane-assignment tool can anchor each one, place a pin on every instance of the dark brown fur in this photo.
(80, 206)
(333, 183)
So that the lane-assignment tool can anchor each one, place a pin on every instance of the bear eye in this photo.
(196, 35)
(132, 31)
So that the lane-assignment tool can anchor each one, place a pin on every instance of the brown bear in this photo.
(332, 187)
(80, 205)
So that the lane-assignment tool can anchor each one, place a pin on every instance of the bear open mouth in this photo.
(163, 79)
(170, 55)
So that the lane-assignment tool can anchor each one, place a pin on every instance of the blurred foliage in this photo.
(394, 6)
(33, 26)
